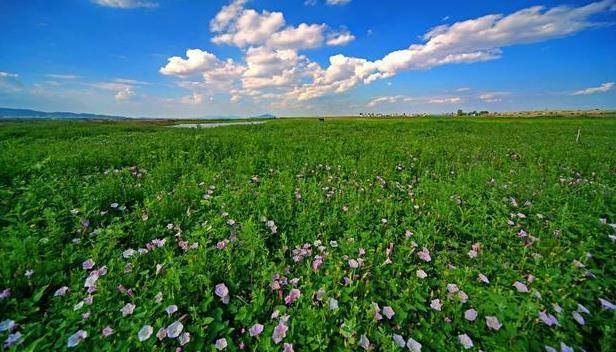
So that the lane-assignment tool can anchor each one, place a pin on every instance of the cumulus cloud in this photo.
(304, 36)
(273, 66)
(126, 4)
(594, 90)
(196, 61)
(237, 26)
(340, 38)
(469, 41)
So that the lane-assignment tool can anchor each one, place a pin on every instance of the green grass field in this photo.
(320, 232)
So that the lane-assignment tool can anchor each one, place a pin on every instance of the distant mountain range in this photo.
(7, 113)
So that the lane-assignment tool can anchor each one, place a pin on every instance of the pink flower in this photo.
(365, 343)
(520, 287)
(76, 338)
(171, 309)
(413, 345)
(424, 255)
(7, 325)
(88, 264)
(12, 339)
(161, 334)
(145, 332)
(292, 296)
(605, 304)
(6, 293)
(578, 318)
(483, 278)
(61, 291)
(223, 292)
(184, 338)
(175, 329)
(107, 331)
(256, 330)
(399, 340)
(493, 323)
(548, 319)
(470, 315)
(465, 341)
(316, 264)
(421, 274)
(287, 347)
(127, 309)
(221, 244)
(280, 332)
(353, 264)
(436, 304)
(221, 344)
(462, 296)
(388, 312)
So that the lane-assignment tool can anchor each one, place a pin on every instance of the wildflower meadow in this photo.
(428, 234)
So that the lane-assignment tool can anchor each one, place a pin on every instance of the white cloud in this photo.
(194, 99)
(250, 28)
(468, 41)
(130, 81)
(492, 97)
(303, 36)
(9, 82)
(122, 91)
(340, 38)
(268, 68)
(63, 76)
(125, 93)
(126, 4)
(196, 61)
(272, 67)
(452, 100)
(593, 90)
(227, 14)
(8, 75)
(237, 26)
(338, 2)
(415, 100)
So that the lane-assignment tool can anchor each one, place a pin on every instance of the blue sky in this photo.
(298, 57)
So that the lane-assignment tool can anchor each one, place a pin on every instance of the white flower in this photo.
(175, 329)
(332, 303)
(466, 341)
(399, 340)
(421, 274)
(470, 315)
(127, 309)
(413, 345)
(76, 338)
(145, 333)
(493, 323)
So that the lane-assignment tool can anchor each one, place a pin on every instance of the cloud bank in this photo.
(275, 67)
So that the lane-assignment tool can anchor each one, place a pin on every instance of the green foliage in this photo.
(363, 184)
